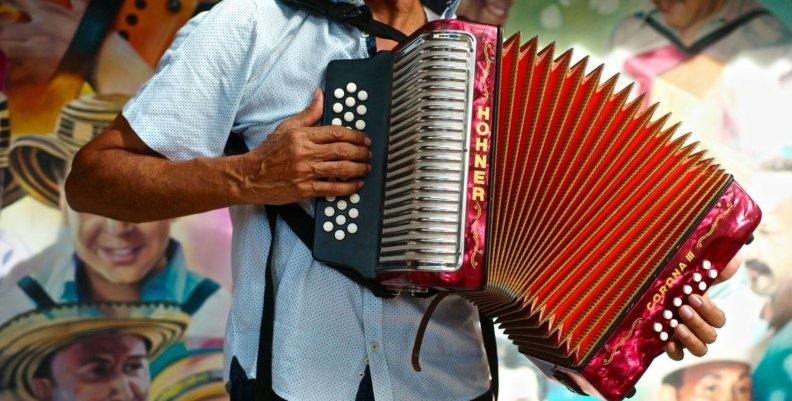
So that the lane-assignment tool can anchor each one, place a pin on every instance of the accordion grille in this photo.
(427, 153)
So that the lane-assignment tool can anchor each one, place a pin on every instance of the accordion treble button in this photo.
(342, 205)
(354, 198)
(687, 289)
(658, 327)
(327, 226)
(352, 228)
(329, 211)
(348, 116)
(350, 101)
(667, 314)
(712, 274)
(339, 235)
(362, 95)
(361, 110)
(697, 277)
(338, 93)
(702, 286)
(706, 264)
(340, 219)
(338, 107)
(673, 323)
(351, 87)
(353, 213)
(664, 336)
(677, 302)
(336, 121)
(360, 124)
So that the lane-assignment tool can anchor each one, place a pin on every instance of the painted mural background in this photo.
(67, 66)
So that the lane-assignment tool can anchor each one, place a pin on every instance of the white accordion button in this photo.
(339, 235)
(352, 228)
(348, 116)
(353, 213)
(342, 204)
(706, 264)
(667, 314)
(351, 87)
(677, 302)
(697, 277)
(664, 336)
(658, 327)
(329, 211)
(673, 323)
(330, 198)
(350, 101)
(362, 95)
(338, 107)
(361, 110)
(687, 289)
(336, 121)
(702, 286)
(338, 93)
(712, 274)
(327, 226)
(354, 198)
(340, 219)
(360, 124)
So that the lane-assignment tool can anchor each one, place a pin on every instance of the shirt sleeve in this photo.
(188, 109)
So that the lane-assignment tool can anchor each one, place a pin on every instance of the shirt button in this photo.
(374, 345)
(364, 34)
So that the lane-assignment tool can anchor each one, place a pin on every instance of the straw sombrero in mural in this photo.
(190, 371)
(11, 191)
(30, 338)
(37, 161)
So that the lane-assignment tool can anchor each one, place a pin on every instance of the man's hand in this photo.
(294, 161)
(700, 318)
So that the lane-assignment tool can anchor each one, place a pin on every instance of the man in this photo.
(107, 366)
(250, 67)
(724, 380)
(87, 351)
(109, 260)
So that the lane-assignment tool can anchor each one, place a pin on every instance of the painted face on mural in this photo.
(711, 381)
(494, 12)
(771, 248)
(115, 251)
(683, 14)
(109, 366)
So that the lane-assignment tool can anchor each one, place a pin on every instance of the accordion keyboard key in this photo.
(348, 234)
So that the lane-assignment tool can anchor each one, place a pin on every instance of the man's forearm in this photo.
(117, 175)
(137, 187)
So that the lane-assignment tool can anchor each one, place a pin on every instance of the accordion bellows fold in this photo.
(594, 183)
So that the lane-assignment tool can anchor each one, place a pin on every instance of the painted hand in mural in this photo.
(36, 46)
(699, 320)
(291, 162)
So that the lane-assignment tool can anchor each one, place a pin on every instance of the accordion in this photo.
(525, 184)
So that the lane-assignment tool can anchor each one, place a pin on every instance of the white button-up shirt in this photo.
(245, 66)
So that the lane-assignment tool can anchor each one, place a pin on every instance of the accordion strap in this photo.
(358, 17)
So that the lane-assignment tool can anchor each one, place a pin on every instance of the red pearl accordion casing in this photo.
(586, 222)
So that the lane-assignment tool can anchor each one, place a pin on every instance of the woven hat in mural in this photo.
(37, 161)
(32, 337)
(189, 372)
(11, 191)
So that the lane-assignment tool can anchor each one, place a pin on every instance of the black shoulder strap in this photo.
(360, 18)
(264, 360)
(491, 348)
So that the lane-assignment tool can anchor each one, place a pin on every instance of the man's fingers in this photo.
(706, 309)
(341, 169)
(308, 117)
(336, 188)
(341, 151)
(729, 270)
(336, 133)
(675, 350)
(690, 341)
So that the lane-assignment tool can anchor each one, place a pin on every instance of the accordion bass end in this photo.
(526, 184)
